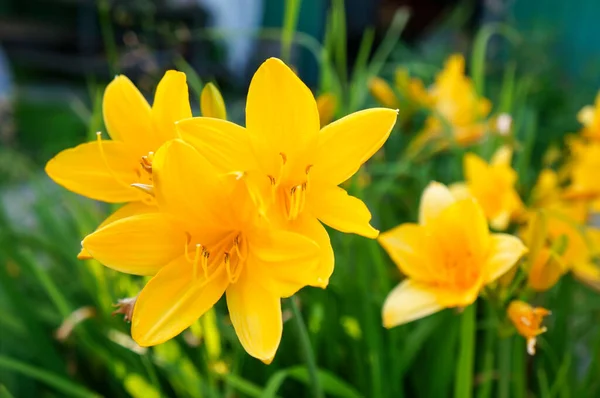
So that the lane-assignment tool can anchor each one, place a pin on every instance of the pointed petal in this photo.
(435, 199)
(284, 261)
(502, 157)
(171, 104)
(281, 114)
(475, 168)
(173, 300)
(310, 226)
(409, 246)
(188, 187)
(127, 115)
(139, 245)
(460, 191)
(226, 145)
(334, 207)
(545, 269)
(83, 170)
(211, 102)
(346, 144)
(505, 251)
(407, 302)
(256, 316)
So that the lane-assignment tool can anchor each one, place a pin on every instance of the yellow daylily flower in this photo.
(448, 257)
(206, 240)
(527, 321)
(211, 102)
(589, 117)
(107, 170)
(383, 93)
(292, 167)
(492, 184)
(327, 104)
(584, 170)
(412, 88)
(558, 237)
(455, 105)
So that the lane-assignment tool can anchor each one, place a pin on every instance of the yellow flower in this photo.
(211, 102)
(493, 186)
(292, 168)
(584, 169)
(206, 240)
(456, 105)
(558, 238)
(383, 93)
(589, 117)
(448, 257)
(527, 321)
(106, 170)
(327, 104)
(412, 88)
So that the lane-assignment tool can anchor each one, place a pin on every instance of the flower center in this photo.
(293, 195)
(228, 253)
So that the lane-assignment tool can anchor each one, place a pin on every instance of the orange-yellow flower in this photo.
(527, 321)
(106, 170)
(457, 108)
(493, 185)
(448, 257)
(589, 117)
(206, 240)
(583, 170)
(291, 165)
(383, 93)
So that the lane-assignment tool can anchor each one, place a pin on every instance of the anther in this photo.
(205, 256)
(283, 157)
(236, 246)
(149, 189)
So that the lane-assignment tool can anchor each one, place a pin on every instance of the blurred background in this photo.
(57, 337)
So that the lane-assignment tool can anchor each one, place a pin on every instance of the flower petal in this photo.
(188, 187)
(127, 115)
(475, 168)
(505, 251)
(256, 316)
(171, 104)
(334, 207)
(435, 199)
(346, 144)
(281, 115)
(409, 246)
(139, 245)
(407, 302)
(173, 300)
(84, 171)
(226, 145)
(309, 226)
(127, 210)
(545, 269)
(284, 261)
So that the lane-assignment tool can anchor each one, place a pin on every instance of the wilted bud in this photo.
(211, 102)
(383, 93)
(327, 105)
(527, 321)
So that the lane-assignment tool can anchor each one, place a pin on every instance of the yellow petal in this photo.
(127, 115)
(505, 251)
(347, 143)
(173, 300)
(211, 102)
(475, 168)
(501, 220)
(281, 114)
(411, 248)
(138, 245)
(588, 273)
(334, 207)
(545, 270)
(310, 226)
(284, 261)
(84, 171)
(407, 302)
(127, 210)
(435, 199)
(171, 104)
(188, 187)
(256, 316)
(226, 145)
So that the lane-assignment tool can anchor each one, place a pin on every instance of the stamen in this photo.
(196, 258)
(205, 256)
(146, 162)
(103, 156)
(297, 201)
(283, 157)
(236, 246)
(227, 266)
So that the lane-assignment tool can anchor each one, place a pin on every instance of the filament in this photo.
(196, 258)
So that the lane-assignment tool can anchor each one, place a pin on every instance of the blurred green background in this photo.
(57, 335)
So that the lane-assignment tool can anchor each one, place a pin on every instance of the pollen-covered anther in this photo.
(146, 188)
(146, 162)
(297, 201)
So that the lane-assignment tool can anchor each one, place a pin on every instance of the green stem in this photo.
(290, 21)
(504, 365)
(309, 356)
(463, 388)
(108, 36)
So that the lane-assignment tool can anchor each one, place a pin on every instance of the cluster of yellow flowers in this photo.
(450, 256)
(214, 208)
